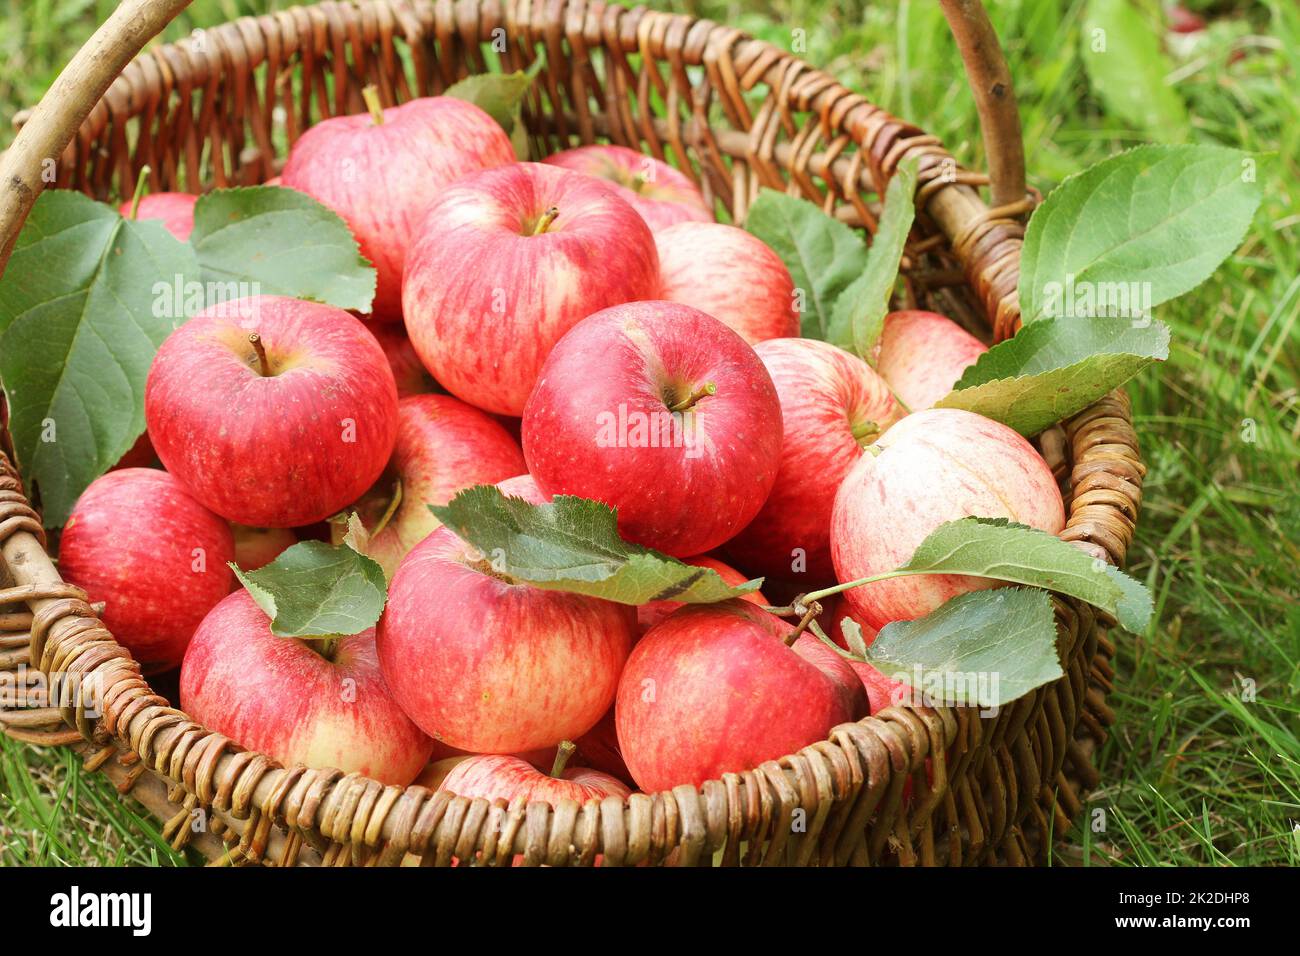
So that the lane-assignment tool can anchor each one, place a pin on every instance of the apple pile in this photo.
(580, 326)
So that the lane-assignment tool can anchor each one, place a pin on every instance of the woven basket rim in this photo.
(331, 810)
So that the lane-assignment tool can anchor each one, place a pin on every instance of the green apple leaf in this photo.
(1136, 230)
(980, 649)
(1054, 368)
(1127, 69)
(1000, 549)
(269, 240)
(859, 313)
(824, 255)
(315, 590)
(572, 544)
(84, 304)
(501, 96)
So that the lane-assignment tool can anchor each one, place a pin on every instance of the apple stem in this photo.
(562, 755)
(371, 95)
(864, 433)
(545, 221)
(391, 510)
(141, 187)
(260, 350)
(811, 610)
(704, 391)
(327, 646)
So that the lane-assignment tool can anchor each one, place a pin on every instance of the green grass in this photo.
(1204, 764)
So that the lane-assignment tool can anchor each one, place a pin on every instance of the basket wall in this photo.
(739, 115)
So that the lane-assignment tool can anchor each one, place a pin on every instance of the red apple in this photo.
(257, 547)
(932, 467)
(881, 691)
(501, 777)
(409, 373)
(380, 172)
(664, 413)
(1182, 20)
(648, 615)
(174, 210)
(661, 195)
(832, 406)
(139, 542)
(487, 664)
(730, 274)
(714, 689)
(443, 446)
(272, 412)
(298, 701)
(139, 455)
(506, 263)
(923, 354)
(599, 748)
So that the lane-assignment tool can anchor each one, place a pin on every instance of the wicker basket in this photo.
(738, 115)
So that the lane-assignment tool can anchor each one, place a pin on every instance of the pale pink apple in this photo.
(648, 615)
(381, 173)
(507, 261)
(732, 275)
(488, 664)
(298, 701)
(664, 413)
(714, 689)
(174, 210)
(523, 486)
(139, 542)
(832, 406)
(443, 446)
(923, 354)
(661, 195)
(432, 776)
(272, 412)
(932, 467)
(501, 777)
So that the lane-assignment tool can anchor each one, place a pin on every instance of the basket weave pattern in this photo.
(738, 115)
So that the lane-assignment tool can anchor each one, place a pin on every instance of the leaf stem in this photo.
(264, 366)
(836, 589)
(562, 755)
(371, 95)
(141, 187)
(704, 391)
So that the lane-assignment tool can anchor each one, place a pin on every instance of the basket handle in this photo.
(55, 120)
(995, 97)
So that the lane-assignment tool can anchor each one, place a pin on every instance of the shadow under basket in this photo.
(738, 115)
